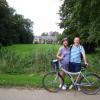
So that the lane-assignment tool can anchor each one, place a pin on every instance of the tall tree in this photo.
(81, 18)
(14, 28)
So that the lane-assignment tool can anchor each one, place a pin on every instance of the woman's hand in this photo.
(61, 57)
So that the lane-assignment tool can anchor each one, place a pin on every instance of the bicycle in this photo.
(89, 83)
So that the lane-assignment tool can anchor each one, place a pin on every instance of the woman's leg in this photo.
(62, 74)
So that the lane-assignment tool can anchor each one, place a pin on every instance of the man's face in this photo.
(77, 41)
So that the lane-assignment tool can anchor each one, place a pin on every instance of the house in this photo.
(45, 39)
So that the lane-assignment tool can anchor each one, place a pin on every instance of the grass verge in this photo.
(33, 80)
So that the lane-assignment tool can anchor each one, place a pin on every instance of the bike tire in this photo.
(92, 86)
(51, 81)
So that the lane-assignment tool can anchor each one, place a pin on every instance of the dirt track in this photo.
(32, 94)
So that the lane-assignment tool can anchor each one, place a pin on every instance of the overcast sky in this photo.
(42, 12)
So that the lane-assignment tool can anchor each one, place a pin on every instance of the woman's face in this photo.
(65, 43)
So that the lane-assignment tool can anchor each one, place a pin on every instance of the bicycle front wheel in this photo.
(90, 84)
(52, 81)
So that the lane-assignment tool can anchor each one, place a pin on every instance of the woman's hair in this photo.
(64, 39)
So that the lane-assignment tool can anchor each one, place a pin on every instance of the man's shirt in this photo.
(76, 52)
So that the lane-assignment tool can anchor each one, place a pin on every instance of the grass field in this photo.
(25, 65)
(27, 58)
(26, 49)
(22, 80)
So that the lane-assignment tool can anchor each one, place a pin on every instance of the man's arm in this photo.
(84, 58)
(84, 55)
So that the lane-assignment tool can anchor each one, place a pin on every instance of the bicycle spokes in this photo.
(90, 84)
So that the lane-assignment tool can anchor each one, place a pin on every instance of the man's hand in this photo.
(86, 63)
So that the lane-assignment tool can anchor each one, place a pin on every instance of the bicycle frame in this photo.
(75, 81)
(71, 74)
(85, 81)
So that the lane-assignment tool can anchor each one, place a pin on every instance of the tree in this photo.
(23, 28)
(81, 18)
(44, 34)
(51, 33)
(14, 28)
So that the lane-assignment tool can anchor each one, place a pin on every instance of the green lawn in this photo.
(19, 62)
(27, 58)
(32, 80)
(25, 65)
(25, 49)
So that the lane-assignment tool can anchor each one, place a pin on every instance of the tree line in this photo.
(81, 18)
(14, 28)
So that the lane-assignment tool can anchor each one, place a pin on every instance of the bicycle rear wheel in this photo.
(51, 81)
(90, 84)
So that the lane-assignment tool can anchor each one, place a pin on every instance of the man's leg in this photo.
(71, 67)
(77, 69)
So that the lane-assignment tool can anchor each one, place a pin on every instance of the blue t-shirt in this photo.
(76, 52)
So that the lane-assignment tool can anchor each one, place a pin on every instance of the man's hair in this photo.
(77, 37)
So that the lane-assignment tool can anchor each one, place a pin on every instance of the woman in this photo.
(63, 56)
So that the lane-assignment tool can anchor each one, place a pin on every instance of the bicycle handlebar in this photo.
(84, 65)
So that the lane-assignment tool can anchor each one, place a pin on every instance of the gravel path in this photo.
(37, 94)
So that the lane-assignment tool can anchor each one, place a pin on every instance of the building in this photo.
(45, 39)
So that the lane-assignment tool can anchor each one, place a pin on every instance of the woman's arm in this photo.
(59, 55)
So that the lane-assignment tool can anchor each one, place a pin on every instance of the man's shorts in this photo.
(74, 67)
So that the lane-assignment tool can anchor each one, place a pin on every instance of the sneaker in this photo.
(71, 86)
(64, 87)
(78, 88)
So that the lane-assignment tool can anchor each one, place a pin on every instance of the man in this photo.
(76, 51)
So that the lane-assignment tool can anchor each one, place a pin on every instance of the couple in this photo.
(72, 55)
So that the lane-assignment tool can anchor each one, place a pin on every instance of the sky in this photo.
(42, 12)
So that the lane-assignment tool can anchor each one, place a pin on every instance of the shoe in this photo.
(70, 87)
(64, 87)
(78, 88)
